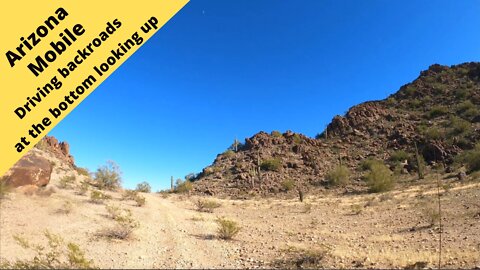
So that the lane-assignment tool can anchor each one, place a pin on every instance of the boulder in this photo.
(31, 169)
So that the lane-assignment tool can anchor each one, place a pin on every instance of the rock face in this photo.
(35, 170)
(438, 112)
(32, 169)
(60, 149)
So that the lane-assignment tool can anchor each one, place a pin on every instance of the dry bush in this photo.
(83, 171)
(356, 209)
(98, 197)
(288, 185)
(133, 195)
(56, 255)
(65, 209)
(143, 187)
(183, 186)
(125, 224)
(301, 258)
(45, 192)
(84, 186)
(429, 213)
(67, 181)
(140, 200)
(206, 205)
(227, 229)
(339, 176)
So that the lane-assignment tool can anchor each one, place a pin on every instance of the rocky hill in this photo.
(36, 167)
(439, 112)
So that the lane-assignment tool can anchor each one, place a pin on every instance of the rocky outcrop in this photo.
(61, 150)
(31, 169)
(438, 112)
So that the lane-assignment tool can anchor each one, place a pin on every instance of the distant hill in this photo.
(439, 112)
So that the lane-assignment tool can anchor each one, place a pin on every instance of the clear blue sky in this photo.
(224, 69)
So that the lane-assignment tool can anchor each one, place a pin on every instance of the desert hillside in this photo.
(392, 184)
(438, 113)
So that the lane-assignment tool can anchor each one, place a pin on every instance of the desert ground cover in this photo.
(395, 229)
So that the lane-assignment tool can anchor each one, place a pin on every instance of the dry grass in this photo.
(207, 206)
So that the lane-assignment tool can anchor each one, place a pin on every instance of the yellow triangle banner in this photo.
(55, 53)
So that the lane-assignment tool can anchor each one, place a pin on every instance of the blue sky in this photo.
(225, 69)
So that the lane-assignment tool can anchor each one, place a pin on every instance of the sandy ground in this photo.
(387, 230)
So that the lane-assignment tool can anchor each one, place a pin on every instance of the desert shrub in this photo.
(65, 209)
(66, 181)
(125, 224)
(410, 90)
(206, 205)
(84, 186)
(98, 196)
(288, 184)
(437, 111)
(467, 110)
(471, 159)
(433, 133)
(229, 153)
(227, 229)
(356, 209)
(129, 194)
(379, 178)
(143, 187)
(4, 188)
(108, 176)
(301, 258)
(399, 156)
(140, 200)
(82, 171)
(276, 133)
(338, 176)
(273, 164)
(183, 186)
(56, 255)
(430, 214)
(367, 164)
(297, 139)
(45, 192)
(458, 126)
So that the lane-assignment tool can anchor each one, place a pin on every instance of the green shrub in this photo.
(367, 164)
(399, 156)
(470, 158)
(56, 255)
(227, 229)
(273, 164)
(229, 153)
(458, 126)
(379, 178)
(276, 133)
(206, 205)
(338, 176)
(108, 176)
(288, 184)
(98, 196)
(434, 133)
(437, 111)
(143, 187)
(183, 186)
